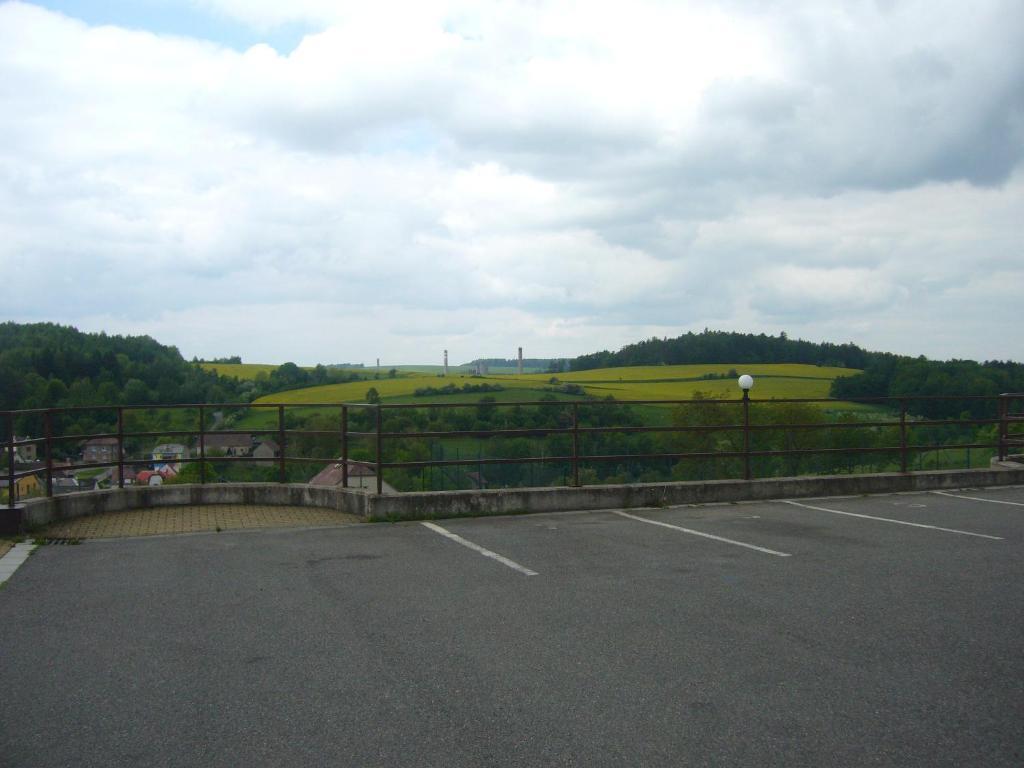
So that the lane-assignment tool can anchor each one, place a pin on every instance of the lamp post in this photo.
(746, 382)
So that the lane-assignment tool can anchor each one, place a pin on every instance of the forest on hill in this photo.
(44, 365)
(726, 347)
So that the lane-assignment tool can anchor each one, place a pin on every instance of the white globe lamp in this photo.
(746, 382)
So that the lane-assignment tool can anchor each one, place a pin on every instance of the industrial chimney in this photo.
(519, 367)
(446, 362)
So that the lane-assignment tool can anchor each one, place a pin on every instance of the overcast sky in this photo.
(326, 181)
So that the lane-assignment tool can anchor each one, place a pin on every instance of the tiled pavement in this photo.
(191, 519)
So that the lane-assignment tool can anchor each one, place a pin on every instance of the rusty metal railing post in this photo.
(202, 445)
(11, 489)
(746, 434)
(120, 447)
(576, 445)
(1004, 425)
(282, 474)
(344, 446)
(903, 436)
(380, 469)
(48, 434)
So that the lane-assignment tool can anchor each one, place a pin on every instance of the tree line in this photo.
(915, 378)
(726, 347)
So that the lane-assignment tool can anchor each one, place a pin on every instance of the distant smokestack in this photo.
(519, 368)
(446, 362)
(378, 366)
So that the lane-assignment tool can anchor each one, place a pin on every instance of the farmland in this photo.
(667, 382)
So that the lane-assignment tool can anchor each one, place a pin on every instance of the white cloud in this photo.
(480, 176)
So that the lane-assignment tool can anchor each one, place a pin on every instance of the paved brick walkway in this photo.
(164, 520)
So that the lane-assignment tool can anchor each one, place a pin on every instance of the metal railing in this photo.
(1008, 414)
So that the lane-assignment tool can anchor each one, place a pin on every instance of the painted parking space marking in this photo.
(891, 520)
(765, 550)
(481, 550)
(978, 498)
(14, 559)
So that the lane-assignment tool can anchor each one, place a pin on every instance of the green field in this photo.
(667, 382)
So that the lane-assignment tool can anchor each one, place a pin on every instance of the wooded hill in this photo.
(44, 365)
(726, 347)
(884, 374)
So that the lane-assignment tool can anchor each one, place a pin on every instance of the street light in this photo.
(746, 382)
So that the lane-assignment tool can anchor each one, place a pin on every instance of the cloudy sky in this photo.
(329, 181)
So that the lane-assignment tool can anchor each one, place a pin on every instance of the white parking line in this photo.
(477, 548)
(976, 498)
(890, 520)
(704, 535)
(14, 559)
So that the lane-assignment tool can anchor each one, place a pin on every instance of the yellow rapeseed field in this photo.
(664, 382)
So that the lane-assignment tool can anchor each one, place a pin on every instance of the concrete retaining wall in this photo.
(511, 501)
(42, 511)
(441, 504)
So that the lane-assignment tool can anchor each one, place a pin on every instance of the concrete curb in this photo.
(442, 504)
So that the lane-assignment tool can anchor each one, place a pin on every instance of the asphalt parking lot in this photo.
(869, 631)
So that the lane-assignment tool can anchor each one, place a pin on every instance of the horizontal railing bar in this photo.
(459, 462)
(209, 432)
(59, 468)
(162, 433)
(667, 429)
(19, 443)
(687, 428)
(83, 438)
(258, 460)
(695, 455)
(539, 432)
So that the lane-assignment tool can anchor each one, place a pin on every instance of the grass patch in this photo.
(57, 541)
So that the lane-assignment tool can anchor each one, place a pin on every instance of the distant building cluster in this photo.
(162, 464)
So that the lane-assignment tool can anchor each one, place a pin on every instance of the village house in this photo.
(266, 449)
(22, 453)
(99, 450)
(26, 486)
(155, 477)
(62, 485)
(129, 475)
(170, 452)
(359, 476)
(220, 444)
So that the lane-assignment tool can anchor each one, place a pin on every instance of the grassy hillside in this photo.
(663, 382)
